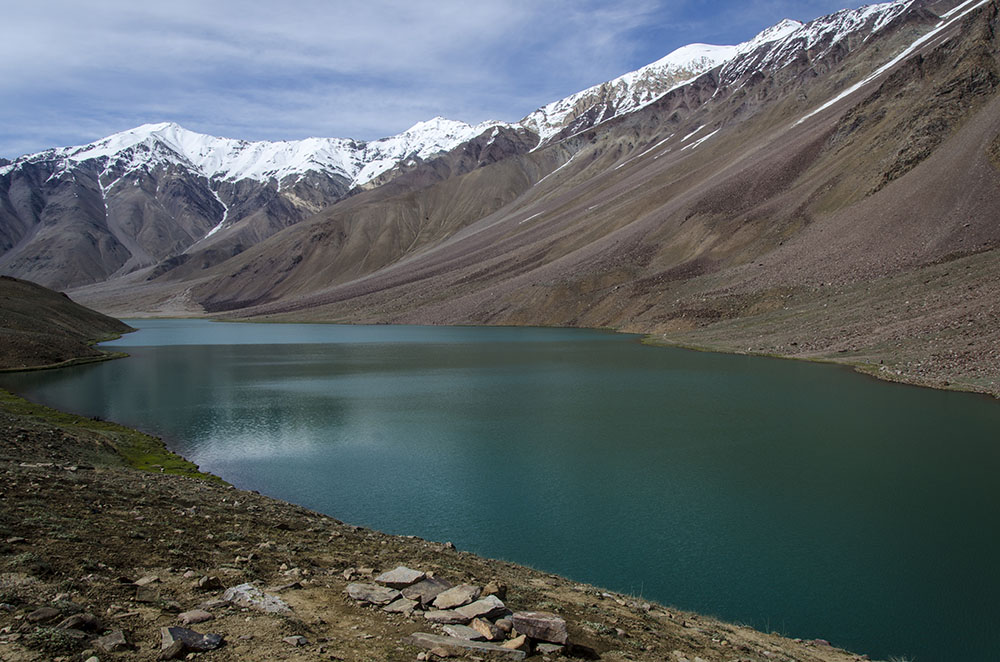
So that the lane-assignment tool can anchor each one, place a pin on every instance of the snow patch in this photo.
(964, 9)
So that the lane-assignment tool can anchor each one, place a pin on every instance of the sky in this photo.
(74, 72)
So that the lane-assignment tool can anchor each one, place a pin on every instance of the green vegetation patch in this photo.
(131, 447)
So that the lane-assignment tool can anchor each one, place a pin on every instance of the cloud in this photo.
(76, 71)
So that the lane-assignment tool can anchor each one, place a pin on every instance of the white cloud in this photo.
(76, 71)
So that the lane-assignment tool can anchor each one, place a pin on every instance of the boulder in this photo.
(541, 625)
(462, 594)
(454, 646)
(401, 577)
(490, 606)
(373, 594)
(194, 642)
(296, 640)
(248, 595)
(425, 591)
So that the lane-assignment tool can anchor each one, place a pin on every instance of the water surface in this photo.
(793, 497)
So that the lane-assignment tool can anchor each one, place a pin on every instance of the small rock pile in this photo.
(473, 618)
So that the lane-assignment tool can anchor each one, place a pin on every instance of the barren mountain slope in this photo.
(39, 327)
(743, 210)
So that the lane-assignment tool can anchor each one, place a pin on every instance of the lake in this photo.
(794, 497)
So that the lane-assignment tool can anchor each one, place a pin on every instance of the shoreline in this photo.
(610, 625)
(650, 338)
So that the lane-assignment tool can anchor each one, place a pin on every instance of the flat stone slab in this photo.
(489, 606)
(425, 591)
(248, 595)
(463, 632)
(112, 642)
(401, 606)
(446, 617)
(460, 646)
(373, 593)
(542, 625)
(194, 642)
(462, 594)
(401, 577)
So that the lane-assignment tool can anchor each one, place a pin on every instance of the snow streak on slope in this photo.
(232, 160)
(816, 37)
(949, 18)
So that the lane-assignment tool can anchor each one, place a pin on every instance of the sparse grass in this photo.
(51, 640)
(134, 448)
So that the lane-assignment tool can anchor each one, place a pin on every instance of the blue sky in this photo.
(263, 70)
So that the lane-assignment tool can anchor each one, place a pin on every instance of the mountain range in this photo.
(824, 190)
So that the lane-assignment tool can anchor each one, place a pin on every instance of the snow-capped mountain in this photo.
(160, 194)
(634, 90)
(230, 160)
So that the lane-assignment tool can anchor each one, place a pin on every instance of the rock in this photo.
(456, 597)
(496, 588)
(489, 606)
(210, 583)
(425, 591)
(463, 632)
(542, 625)
(441, 652)
(195, 616)
(173, 651)
(86, 622)
(546, 648)
(401, 606)
(171, 606)
(43, 615)
(248, 595)
(445, 617)
(112, 642)
(373, 594)
(190, 574)
(505, 625)
(194, 642)
(401, 577)
(147, 580)
(146, 594)
(452, 646)
(296, 640)
(489, 631)
(518, 643)
(93, 658)
(215, 603)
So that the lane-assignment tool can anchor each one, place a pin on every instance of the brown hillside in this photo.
(39, 327)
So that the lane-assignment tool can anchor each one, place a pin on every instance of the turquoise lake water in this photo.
(793, 497)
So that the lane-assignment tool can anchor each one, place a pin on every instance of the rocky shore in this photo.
(102, 561)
